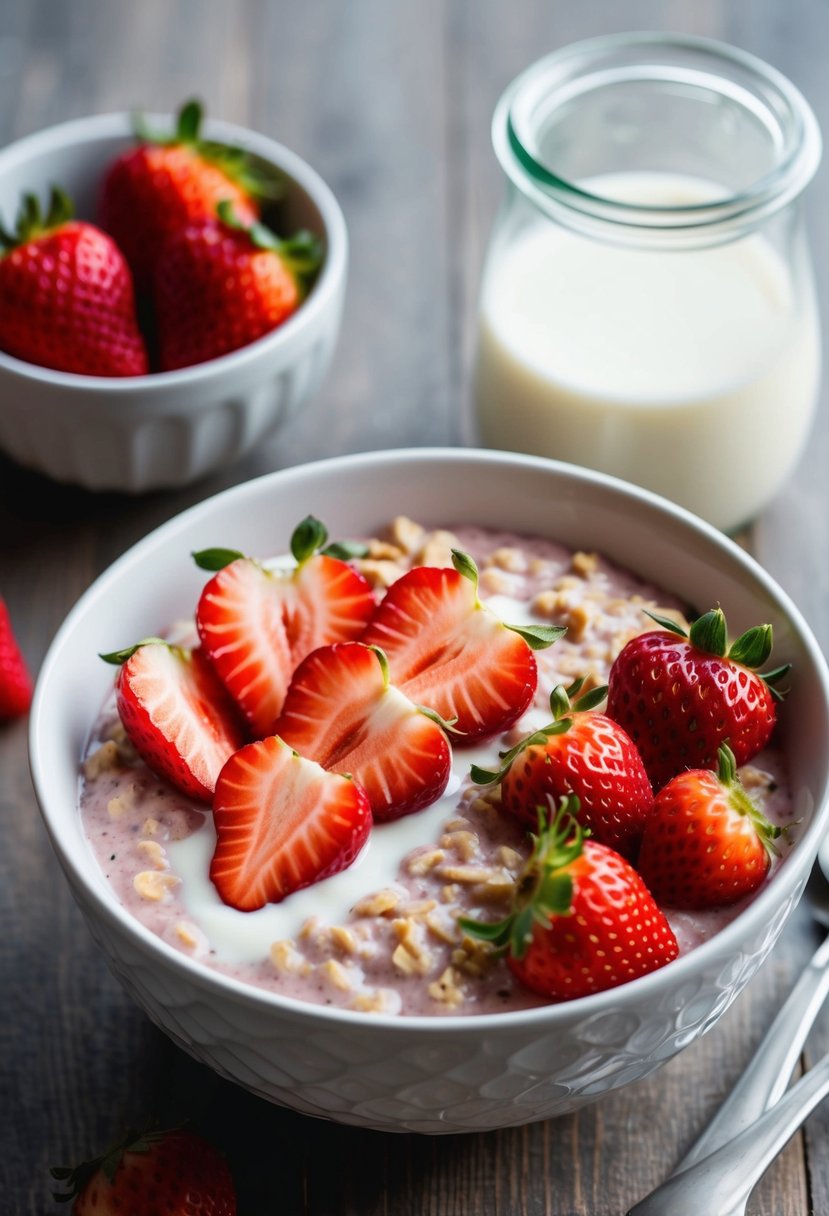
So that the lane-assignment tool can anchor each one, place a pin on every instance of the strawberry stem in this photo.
(309, 535)
(118, 657)
(257, 178)
(301, 253)
(544, 888)
(740, 801)
(30, 223)
(215, 559)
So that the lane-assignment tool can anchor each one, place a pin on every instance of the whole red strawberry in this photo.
(584, 753)
(170, 181)
(583, 920)
(174, 1173)
(15, 681)
(66, 295)
(706, 844)
(220, 285)
(679, 696)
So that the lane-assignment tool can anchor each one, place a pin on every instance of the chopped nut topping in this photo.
(436, 549)
(497, 889)
(285, 957)
(343, 939)
(376, 1000)
(495, 581)
(446, 989)
(188, 935)
(418, 908)
(577, 619)
(422, 863)
(119, 805)
(509, 858)
(507, 558)
(467, 875)
(103, 760)
(383, 551)
(406, 533)
(153, 853)
(378, 904)
(459, 824)
(464, 843)
(154, 885)
(585, 563)
(379, 573)
(336, 975)
(444, 930)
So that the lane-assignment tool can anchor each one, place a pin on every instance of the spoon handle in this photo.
(767, 1076)
(723, 1181)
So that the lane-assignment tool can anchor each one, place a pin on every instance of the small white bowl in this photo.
(167, 429)
(441, 1074)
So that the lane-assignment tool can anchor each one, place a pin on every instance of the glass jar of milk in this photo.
(647, 305)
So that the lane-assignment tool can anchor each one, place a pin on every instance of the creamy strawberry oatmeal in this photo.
(382, 934)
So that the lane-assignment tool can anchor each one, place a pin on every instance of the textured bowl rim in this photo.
(727, 940)
(119, 124)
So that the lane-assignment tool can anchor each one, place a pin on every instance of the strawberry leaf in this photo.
(464, 565)
(215, 559)
(345, 550)
(666, 623)
(539, 637)
(309, 536)
(117, 657)
(189, 122)
(753, 647)
(496, 932)
(708, 633)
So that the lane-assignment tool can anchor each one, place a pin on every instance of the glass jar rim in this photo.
(556, 79)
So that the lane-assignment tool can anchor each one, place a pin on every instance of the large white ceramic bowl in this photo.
(443, 1074)
(148, 432)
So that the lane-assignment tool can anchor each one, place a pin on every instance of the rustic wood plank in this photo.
(392, 104)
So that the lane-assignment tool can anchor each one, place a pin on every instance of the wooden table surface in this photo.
(392, 103)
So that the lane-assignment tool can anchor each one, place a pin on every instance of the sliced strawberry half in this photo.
(448, 651)
(177, 714)
(257, 624)
(282, 823)
(342, 712)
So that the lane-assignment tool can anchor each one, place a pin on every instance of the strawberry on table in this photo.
(341, 711)
(679, 696)
(176, 713)
(15, 681)
(256, 624)
(706, 843)
(583, 920)
(176, 1173)
(581, 752)
(66, 295)
(221, 284)
(448, 651)
(282, 823)
(169, 181)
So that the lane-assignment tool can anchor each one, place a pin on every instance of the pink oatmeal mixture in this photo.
(383, 935)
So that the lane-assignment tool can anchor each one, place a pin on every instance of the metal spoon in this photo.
(721, 1169)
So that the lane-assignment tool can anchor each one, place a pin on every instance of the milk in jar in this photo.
(656, 324)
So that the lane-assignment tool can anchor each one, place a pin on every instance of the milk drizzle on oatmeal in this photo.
(382, 935)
